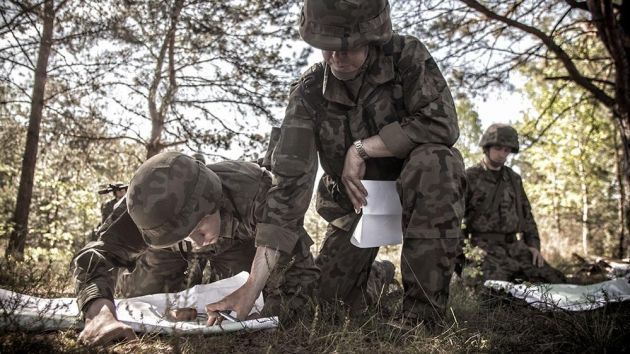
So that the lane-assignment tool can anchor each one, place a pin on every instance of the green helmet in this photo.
(168, 196)
(341, 25)
(500, 134)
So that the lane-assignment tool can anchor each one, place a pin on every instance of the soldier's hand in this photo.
(242, 300)
(101, 325)
(353, 172)
(537, 258)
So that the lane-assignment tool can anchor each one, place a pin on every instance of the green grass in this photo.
(477, 321)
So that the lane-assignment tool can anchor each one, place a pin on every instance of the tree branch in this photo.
(564, 58)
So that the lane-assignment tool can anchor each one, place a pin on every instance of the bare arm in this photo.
(242, 300)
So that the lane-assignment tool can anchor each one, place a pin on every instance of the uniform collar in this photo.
(489, 173)
(379, 71)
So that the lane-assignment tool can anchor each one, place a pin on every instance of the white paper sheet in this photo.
(567, 296)
(381, 222)
(144, 314)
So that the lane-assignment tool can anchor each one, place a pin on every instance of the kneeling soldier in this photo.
(497, 209)
(176, 209)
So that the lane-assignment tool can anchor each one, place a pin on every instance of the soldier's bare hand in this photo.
(241, 301)
(182, 314)
(353, 172)
(537, 258)
(101, 325)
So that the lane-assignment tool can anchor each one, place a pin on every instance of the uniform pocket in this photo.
(333, 132)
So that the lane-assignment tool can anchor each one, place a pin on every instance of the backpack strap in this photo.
(519, 205)
(394, 48)
(311, 87)
(490, 199)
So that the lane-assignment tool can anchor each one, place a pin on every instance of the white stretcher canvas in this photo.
(570, 297)
(145, 314)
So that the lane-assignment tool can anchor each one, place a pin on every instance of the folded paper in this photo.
(381, 220)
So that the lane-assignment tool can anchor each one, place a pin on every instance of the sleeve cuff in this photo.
(396, 140)
(276, 237)
(533, 243)
(89, 293)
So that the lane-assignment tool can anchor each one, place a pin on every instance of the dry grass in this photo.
(478, 321)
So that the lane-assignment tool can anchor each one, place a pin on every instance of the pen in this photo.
(227, 316)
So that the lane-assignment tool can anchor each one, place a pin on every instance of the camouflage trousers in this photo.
(289, 289)
(512, 261)
(431, 186)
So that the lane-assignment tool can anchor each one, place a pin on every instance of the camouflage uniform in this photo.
(122, 244)
(493, 223)
(107, 208)
(405, 100)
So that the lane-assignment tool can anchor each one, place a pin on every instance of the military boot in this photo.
(381, 275)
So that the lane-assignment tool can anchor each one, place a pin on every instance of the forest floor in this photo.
(477, 321)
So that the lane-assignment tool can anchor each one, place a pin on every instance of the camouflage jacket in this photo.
(482, 184)
(107, 208)
(403, 98)
(120, 243)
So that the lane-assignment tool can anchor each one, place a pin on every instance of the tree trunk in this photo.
(625, 135)
(585, 209)
(158, 114)
(556, 206)
(17, 239)
(614, 31)
(619, 166)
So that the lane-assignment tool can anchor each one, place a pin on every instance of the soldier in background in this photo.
(176, 206)
(199, 157)
(377, 107)
(118, 189)
(497, 209)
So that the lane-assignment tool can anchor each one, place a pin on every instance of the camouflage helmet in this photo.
(341, 25)
(168, 196)
(500, 134)
(199, 157)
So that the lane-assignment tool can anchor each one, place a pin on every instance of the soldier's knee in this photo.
(434, 164)
(432, 186)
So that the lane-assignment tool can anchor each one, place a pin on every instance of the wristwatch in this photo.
(358, 144)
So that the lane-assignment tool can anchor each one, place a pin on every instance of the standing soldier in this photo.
(118, 189)
(176, 203)
(497, 209)
(377, 108)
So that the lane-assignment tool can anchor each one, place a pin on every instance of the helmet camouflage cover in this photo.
(341, 25)
(500, 134)
(168, 196)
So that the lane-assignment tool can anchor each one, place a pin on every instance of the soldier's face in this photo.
(498, 154)
(206, 232)
(120, 193)
(346, 65)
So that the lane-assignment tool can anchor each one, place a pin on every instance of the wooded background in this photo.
(90, 89)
